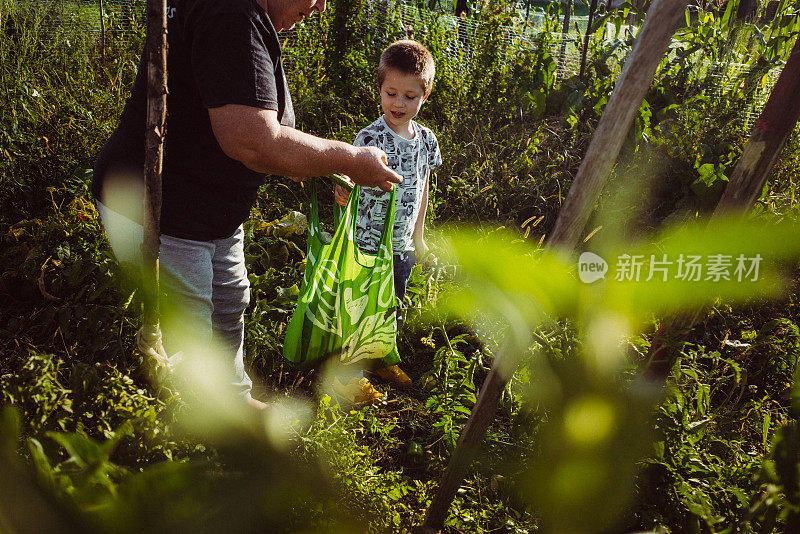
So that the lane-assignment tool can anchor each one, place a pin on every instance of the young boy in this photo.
(405, 79)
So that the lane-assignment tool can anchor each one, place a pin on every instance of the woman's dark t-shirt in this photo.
(220, 52)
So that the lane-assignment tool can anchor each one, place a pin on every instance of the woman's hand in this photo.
(370, 169)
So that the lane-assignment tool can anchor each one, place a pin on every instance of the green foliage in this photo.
(697, 447)
(92, 400)
(59, 100)
(596, 431)
(275, 262)
(58, 270)
(574, 427)
(452, 389)
(717, 421)
(380, 492)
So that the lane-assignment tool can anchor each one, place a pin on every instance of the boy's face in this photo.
(402, 96)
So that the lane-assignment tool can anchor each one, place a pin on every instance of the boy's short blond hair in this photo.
(408, 57)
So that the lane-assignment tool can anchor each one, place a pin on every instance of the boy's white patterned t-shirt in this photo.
(412, 159)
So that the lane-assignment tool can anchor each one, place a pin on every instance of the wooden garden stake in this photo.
(563, 50)
(774, 125)
(102, 33)
(662, 20)
(156, 53)
(592, 9)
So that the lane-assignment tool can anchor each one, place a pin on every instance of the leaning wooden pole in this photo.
(156, 55)
(776, 122)
(660, 24)
(772, 129)
(629, 92)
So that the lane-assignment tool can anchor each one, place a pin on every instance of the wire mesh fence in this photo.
(388, 20)
(88, 15)
(468, 36)
(756, 84)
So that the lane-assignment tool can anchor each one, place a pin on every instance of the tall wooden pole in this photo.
(102, 33)
(651, 44)
(156, 54)
(592, 9)
(562, 53)
(774, 125)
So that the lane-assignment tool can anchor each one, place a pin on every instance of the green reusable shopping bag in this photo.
(346, 309)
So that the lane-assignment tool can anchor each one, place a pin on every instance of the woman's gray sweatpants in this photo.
(206, 288)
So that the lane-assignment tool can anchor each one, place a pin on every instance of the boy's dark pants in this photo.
(403, 263)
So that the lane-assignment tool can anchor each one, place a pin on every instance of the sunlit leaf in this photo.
(692, 266)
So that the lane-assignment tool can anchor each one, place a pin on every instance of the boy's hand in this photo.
(371, 170)
(340, 193)
(423, 254)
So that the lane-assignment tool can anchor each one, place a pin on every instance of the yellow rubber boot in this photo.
(358, 391)
(394, 376)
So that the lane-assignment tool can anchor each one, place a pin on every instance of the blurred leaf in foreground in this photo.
(598, 425)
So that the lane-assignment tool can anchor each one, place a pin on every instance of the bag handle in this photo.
(388, 221)
(313, 220)
(351, 210)
(314, 208)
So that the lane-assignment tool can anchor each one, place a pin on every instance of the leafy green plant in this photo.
(452, 389)
(58, 102)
